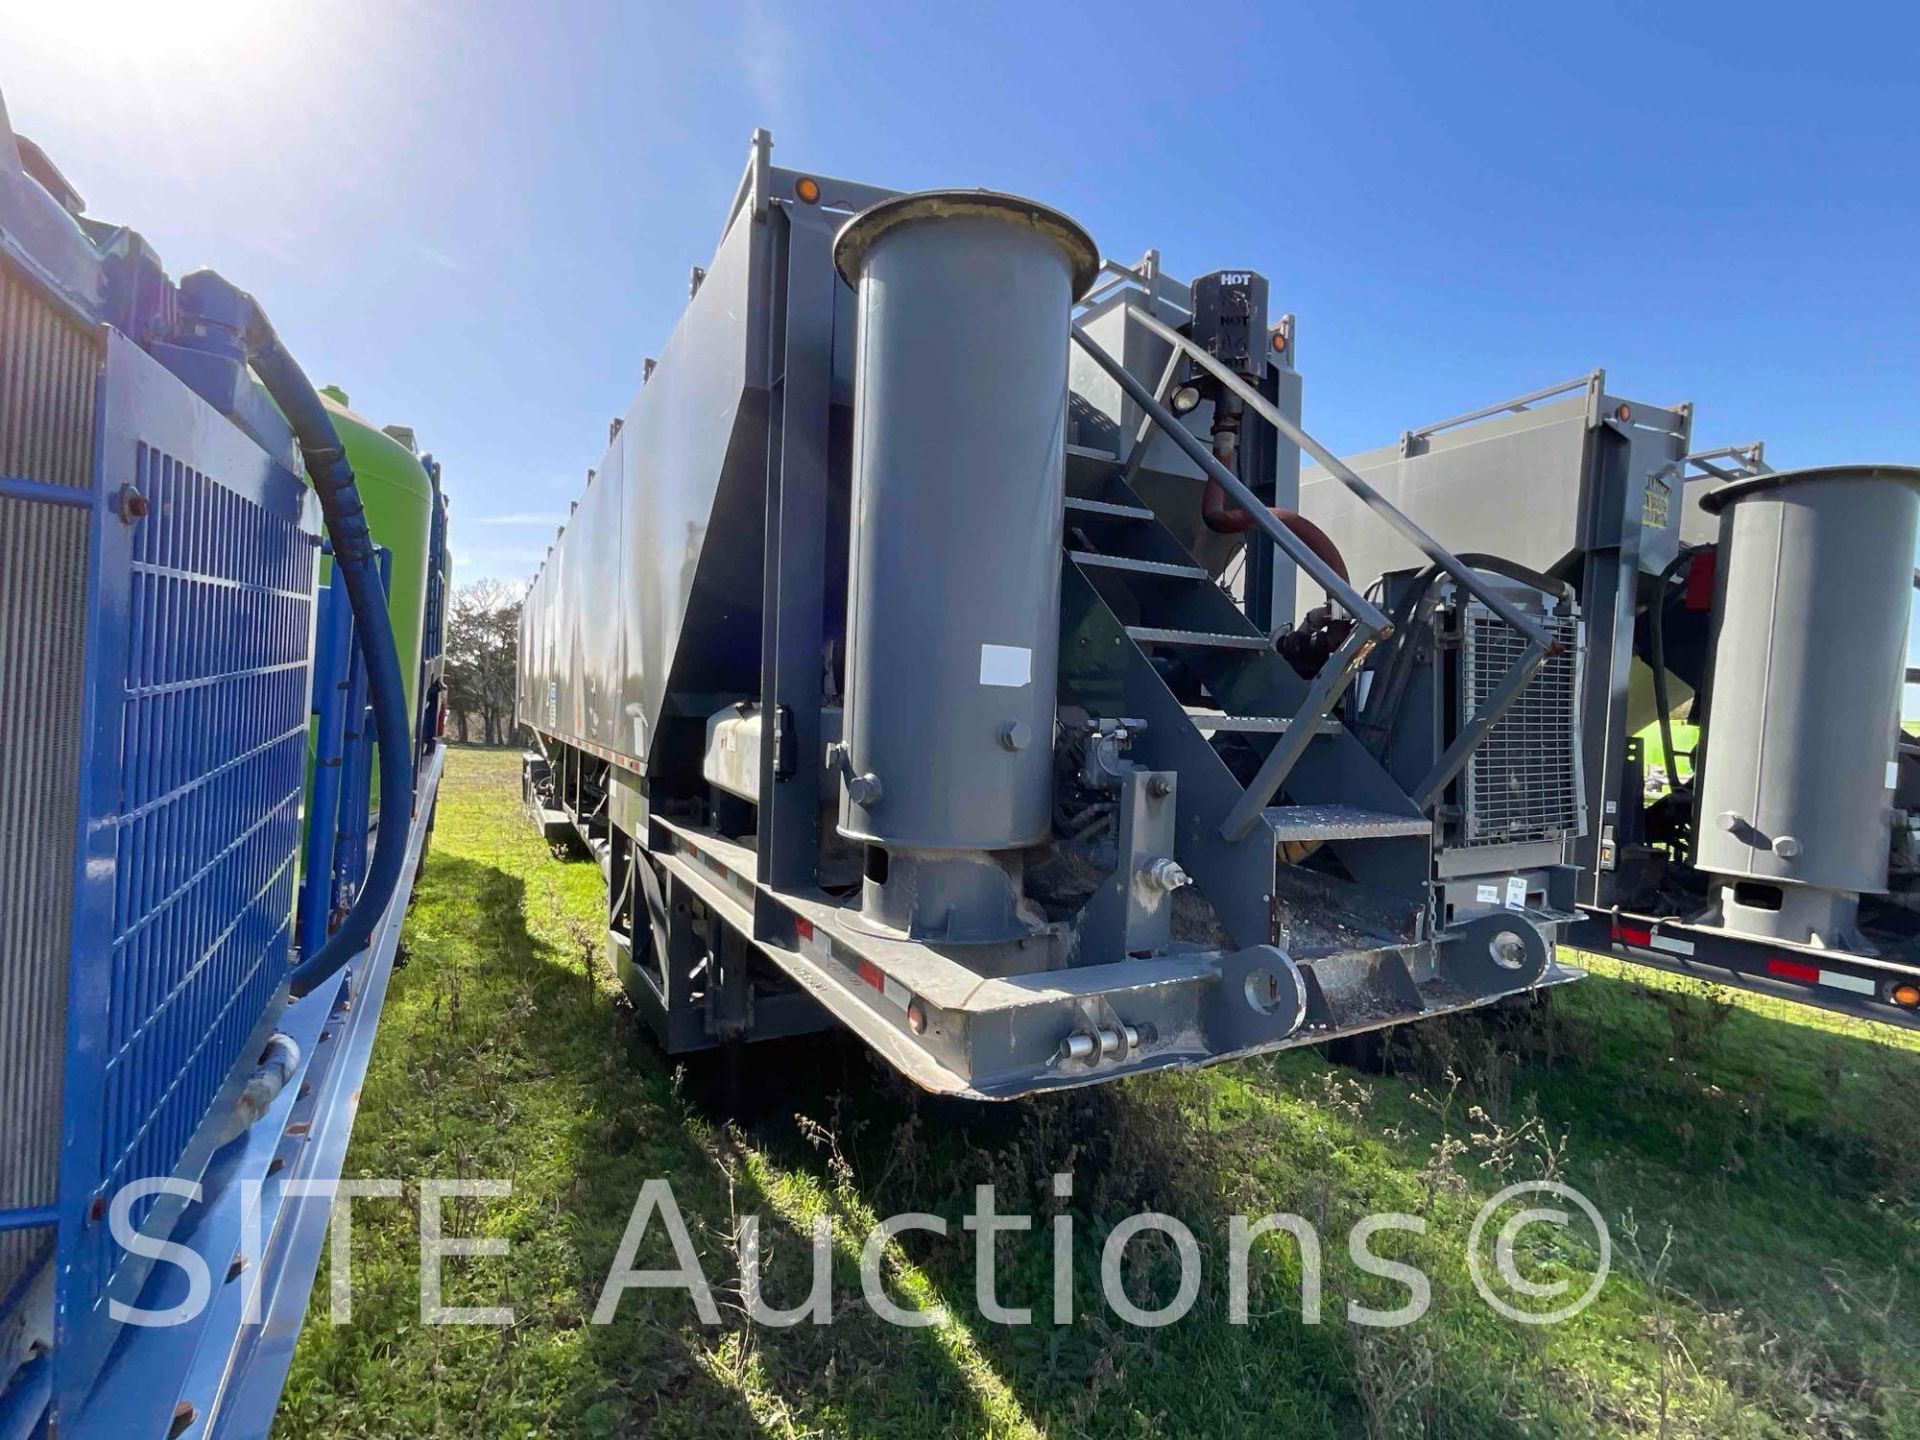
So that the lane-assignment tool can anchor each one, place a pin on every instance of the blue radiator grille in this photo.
(213, 753)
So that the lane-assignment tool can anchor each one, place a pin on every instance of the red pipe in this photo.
(1224, 517)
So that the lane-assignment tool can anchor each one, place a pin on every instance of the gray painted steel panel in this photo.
(958, 481)
(604, 616)
(1813, 593)
(1532, 487)
(600, 653)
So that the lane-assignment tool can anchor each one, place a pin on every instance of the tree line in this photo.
(482, 643)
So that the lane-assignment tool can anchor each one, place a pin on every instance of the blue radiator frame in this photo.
(143, 409)
(221, 1372)
(161, 1030)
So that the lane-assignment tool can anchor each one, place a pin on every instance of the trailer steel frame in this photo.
(716, 923)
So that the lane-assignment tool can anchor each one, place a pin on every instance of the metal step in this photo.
(1200, 639)
(1138, 567)
(1108, 508)
(1340, 822)
(1217, 722)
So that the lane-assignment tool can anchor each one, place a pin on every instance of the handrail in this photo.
(1363, 610)
(1333, 465)
(1592, 380)
(1750, 459)
(1162, 390)
(1322, 695)
(1112, 277)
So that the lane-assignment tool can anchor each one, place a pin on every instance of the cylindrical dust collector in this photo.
(1810, 640)
(965, 307)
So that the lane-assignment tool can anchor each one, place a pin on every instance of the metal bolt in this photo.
(1509, 950)
(1016, 735)
(1159, 787)
(1786, 846)
(133, 506)
(1165, 874)
(864, 789)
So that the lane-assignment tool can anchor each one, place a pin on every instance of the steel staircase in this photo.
(1147, 632)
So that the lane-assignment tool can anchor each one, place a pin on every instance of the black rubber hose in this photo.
(353, 553)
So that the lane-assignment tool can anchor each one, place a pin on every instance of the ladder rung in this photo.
(1201, 639)
(1340, 822)
(1216, 722)
(1107, 507)
(1138, 567)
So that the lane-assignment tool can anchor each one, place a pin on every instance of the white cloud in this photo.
(440, 257)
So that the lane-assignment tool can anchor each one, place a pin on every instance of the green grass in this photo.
(1653, 754)
(1755, 1161)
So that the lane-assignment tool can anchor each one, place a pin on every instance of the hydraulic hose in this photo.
(353, 552)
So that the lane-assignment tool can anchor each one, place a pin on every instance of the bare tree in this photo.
(482, 647)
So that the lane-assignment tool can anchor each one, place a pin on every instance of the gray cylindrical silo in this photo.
(1796, 790)
(965, 304)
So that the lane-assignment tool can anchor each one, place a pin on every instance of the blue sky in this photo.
(478, 219)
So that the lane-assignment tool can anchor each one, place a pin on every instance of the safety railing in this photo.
(1371, 624)
(1729, 462)
(1593, 382)
(1115, 277)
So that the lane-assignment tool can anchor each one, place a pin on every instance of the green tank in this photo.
(399, 502)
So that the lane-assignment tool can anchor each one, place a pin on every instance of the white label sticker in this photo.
(1893, 774)
(1516, 892)
(1010, 666)
(1489, 894)
(1671, 944)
